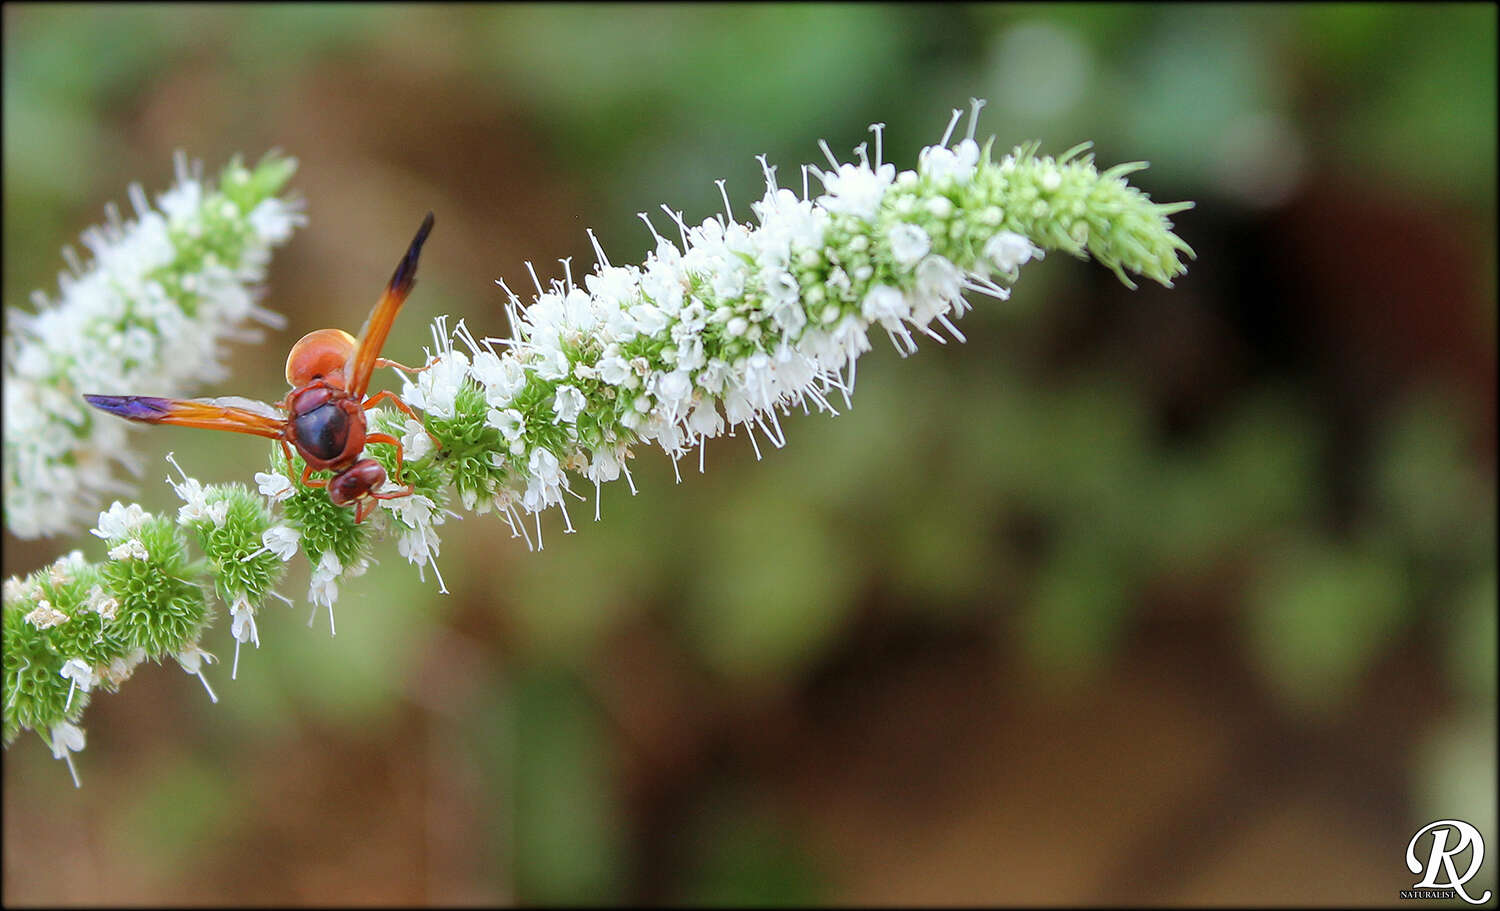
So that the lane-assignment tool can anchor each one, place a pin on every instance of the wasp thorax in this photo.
(320, 353)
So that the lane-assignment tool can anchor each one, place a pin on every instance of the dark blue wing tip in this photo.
(406, 272)
(132, 407)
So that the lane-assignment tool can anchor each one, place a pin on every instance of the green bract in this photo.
(162, 608)
(239, 562)
(325, 527)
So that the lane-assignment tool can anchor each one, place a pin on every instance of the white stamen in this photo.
(725, 194)
(768, 171)
(598, 250)
(977, 103)
(652, 228)
(214, 697)
(823, 144)
(948, 133)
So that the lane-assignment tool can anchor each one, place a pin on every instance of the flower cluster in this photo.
(148, 314)
(738, 322)
(721, 331)
(76, 625)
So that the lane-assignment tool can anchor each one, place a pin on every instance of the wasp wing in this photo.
(227, 413)
(373, 334)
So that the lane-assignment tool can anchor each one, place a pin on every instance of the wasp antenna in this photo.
(406, 271)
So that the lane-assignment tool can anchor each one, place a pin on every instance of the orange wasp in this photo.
(324, 414)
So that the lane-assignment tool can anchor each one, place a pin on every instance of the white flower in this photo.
(419, 545)
(81, 674)
(944, 166)
(713, 376)
(705, 419)
(274, 485)
(242, 626)
(78, 671)
(418, 541)
(198, 507)
(67, 738)
(690, 354)
(909, 243)
(848, 341)
(274, 220)
(68, 564)
(566, 404)
(501, 378)
(119, 520)
(1009, 250)
(415, 441)
(192, 659)
(938, 277)
(613, 370)
(551, 364)
(604, 466)
(544, 486)
(182, 201)
(281, 540)
(45, 616)
(102, 604)
(415, 511)
(323, 589)
(855, 190)
(674, 393)
(17, 589)
(510, 422)
(436, 388)
(120, 669)
(884, 304)
(129, 549)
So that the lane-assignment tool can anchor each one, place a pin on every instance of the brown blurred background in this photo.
(1161, 597)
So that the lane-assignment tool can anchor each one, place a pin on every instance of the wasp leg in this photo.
(308, 481)
(367, 503)
(387, 362)
(363, 510)
(379, 397)
(400, 452)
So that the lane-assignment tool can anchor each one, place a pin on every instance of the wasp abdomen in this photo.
(355, 481)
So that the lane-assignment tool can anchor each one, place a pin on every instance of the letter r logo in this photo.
(1442, 857)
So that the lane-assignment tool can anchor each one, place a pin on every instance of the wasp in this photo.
(323, 416)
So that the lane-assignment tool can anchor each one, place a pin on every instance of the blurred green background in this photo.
(1164, 597)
